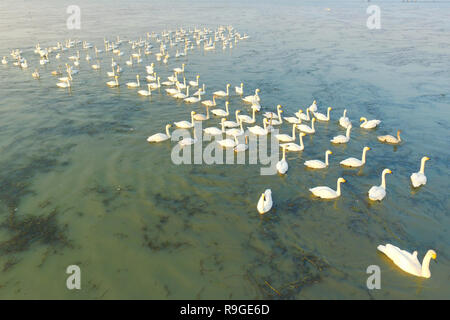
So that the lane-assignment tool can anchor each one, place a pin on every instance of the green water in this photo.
(80, 185)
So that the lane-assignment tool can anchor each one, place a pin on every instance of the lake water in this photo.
(80, 185)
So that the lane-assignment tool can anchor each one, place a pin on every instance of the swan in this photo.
(341, 138)
(240, 146)
(193, 99)
(408, 262)
(4, 60)
(214, 131)
(186, 124)
(326, 192)
(256, 106)
(322, 117)
(258, 131)
(65, 84)
(313, 107)
(285, 137)
(114, 83)
(202, 117)
(390, 139)
(146, 92)
(247, 119)
(344, 121)
(150, 68)
(227, 143)
(379, 192)
(291, 146)
(271, 114)
(111, 73)
(235, 131)
(221, 112)
(181, 95)
(172, 91)
(239, 90)
(317, 164)
(188, 141)
(159, 137)
(210, 103)
(182, 85)
(95, 66)
(221, 93)
(200, 91)
(233, 124)
(157, 85)
(265, 202)
(151, 77)
(419, 178)
(369, 124)
(194, 83)
(179, 70)
(129, 62)
(251, 99)
(302, 116)
(307, 129)
(282, 165)
(293, 120)
(134, 84)
(35, 74)
(355, 163)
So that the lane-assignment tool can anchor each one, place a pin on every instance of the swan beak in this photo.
(360, 119)
(389, 171)
(427, 158)
(344, 180)
(434, 256)
(369, 148)
(331, 152)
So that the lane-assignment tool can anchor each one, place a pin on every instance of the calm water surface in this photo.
(80, 185)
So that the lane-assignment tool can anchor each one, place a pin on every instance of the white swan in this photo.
(247, 119)
(134, 84)
(251, 99)
(186, 124)
(326, 192)
(322, 117)
(214, 131)
(317, 164)
(36, 74)
(210, 103)
(159, 137)
(194, 84)
(258, 131)
(265, 202)
(181, 95)
(193, 99)
(303, 116)
(201, 91)
(290, 146)
(240, 147)
(419, 178)
(368, 124)
(341, 138)
(379, 192)
(282, 165)
(156, 85)
(221, 112)
(344, 121)
(4, 61)
(293, 120)
(239, 90)
(235, 131)
(179, 70)
(233, 124)
(313, 107)
(285, 137)
(390, 139)
(65, 84)
(202, 117)
(114, 83)
(221, 93)
(307, 129)
(145, 93)
(188, 141)
(408, 262)
(355, 163)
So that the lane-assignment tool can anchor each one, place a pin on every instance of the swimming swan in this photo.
(379, 192)
(355, 163)
(341, 138)
(368, 124)
(186, 124)
(290, 146)
(390, 139)
(317, 164)
(159, 137)
(326, 192)
(265, 202)
(282, 165)
(419, 178)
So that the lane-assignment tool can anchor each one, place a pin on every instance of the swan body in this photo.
(248, 119)
(214, 131)
(307, 129)
(290, 146)
(239, 90)
(341, 138)
(145, 93)
(186, 124)
(221, 112)
(65, 84)
(326, 192)
(282, 165)
(265, 202)
(202, 117)
(222, 94)
(313, 107)
(193, 99)
(251, 99)
(390, 139)
(159, 137)
(134, 84)
(194, 84)
(303, 116)
(355, 163)
(317, 164)
(408, 262)
(187, 141)
(379, 192)
(210, 103)
(114, 83)
(369, 124)
(258, 131)
(344, 121)
(419, 178)
(285, 137)
(322, 117)
(232, 124)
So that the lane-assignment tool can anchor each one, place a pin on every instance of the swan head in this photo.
(279, 107)
(362, 119)
(366, 148)
(193, 112)
(386, 171)
(227, 103)
(237, 112)
(330, 108)
(168, 126)
(314, 120)
(329, 152)
(302, 134)
(432, 253)
(314, 102)
(341, 180)
(228, 85)
(257, 91)
(425, 159)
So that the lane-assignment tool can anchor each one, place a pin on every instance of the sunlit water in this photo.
(141, 227)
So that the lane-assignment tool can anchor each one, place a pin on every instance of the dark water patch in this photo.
(10, 263)
(30, 229)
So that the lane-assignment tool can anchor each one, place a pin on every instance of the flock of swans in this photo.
(303, 123)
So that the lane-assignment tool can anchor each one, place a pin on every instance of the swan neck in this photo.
(338, 189)
(348, 132)
(326, 158)
(301, 140)
(422, 166)
(363, 160)
(383, 180)
(167, 131)
(426, 265)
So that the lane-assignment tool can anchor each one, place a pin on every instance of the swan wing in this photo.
(351, 162)
(377, 193)
(418, 179)
(315, 164)
(403, 259)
